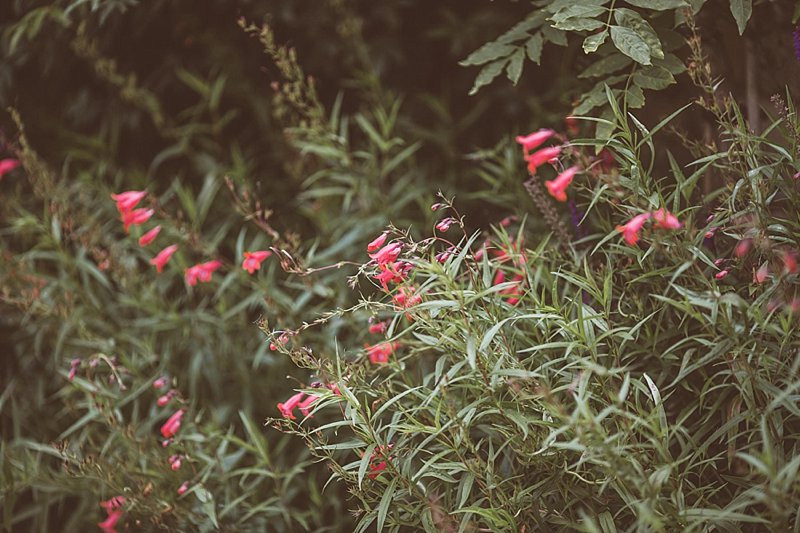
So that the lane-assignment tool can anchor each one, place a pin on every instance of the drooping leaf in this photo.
(593, 42)
(631, 44)
(741, 10)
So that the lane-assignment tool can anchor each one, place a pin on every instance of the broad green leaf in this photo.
(631, 44)
(487, 74)
(741, 10)
(514, 68)
(534, 48)
(658, 5)
(488, 52)
(653, 77)
(631, 19)
(579, 24)
(577, 11)
(607, 65)
(593, 42)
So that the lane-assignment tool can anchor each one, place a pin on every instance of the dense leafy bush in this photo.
(604, 341)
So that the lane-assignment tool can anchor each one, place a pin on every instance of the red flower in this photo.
(7, 165)
(392, 273)
(202, 272)
(721, 274)
(149, 237)
(135, 217)
(534, 140)
(387, 254)
(790, 262)
(743, 247)
(406, 298)
(761, 274)
(666, 220)
(287, 407)
(379, 327)
(630, 231)
(445, 224)
(380, 353)
(252, 260)
(163, 257)
(114, 509)
(558, 186)
(377, 242)
(540, 157)
(305, 405)
(173, 424)
(111, 520)
(127, 200)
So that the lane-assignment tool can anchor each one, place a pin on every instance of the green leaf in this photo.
(653, 77)
(607, 65)
(534, 48)
(579, 24)
(741, 10)
(488, 52)
(514, 68)
(633, 20)
(554, 35)
(629, 43)
(487, 74)
(577, 11)
(593, 42)
(658, 5)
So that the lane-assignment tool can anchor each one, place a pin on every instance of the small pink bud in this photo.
(183, 488)
(160, 383)
(721, 274)
(377, 242)
(149, 237)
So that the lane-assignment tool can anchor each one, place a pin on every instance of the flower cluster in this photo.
(303, 402)
(558, 186)
(662, 219)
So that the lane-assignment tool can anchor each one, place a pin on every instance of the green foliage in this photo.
(541, 374)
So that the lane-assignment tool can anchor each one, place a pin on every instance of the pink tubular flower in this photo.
(630, 231)
(558, 186)
(378, 241)
(252, 260)
(445, 224)
(111, 520)
(534, 140)
(379, 327)
(721, 274)
(160, 383)
(743, 247)
(7, 165)
(761, 274)
(149, 237)
(127, 200)
(165, 399)
(406, 298)
(387, 254)
(380, 353)
(666, 220)
(790, 262)
(135, 217)
(202, 272)
(163, 257)
(114, 509)
(305, 405)
(287, 407)
(540, 157)
(173, 424)
(183, 488)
